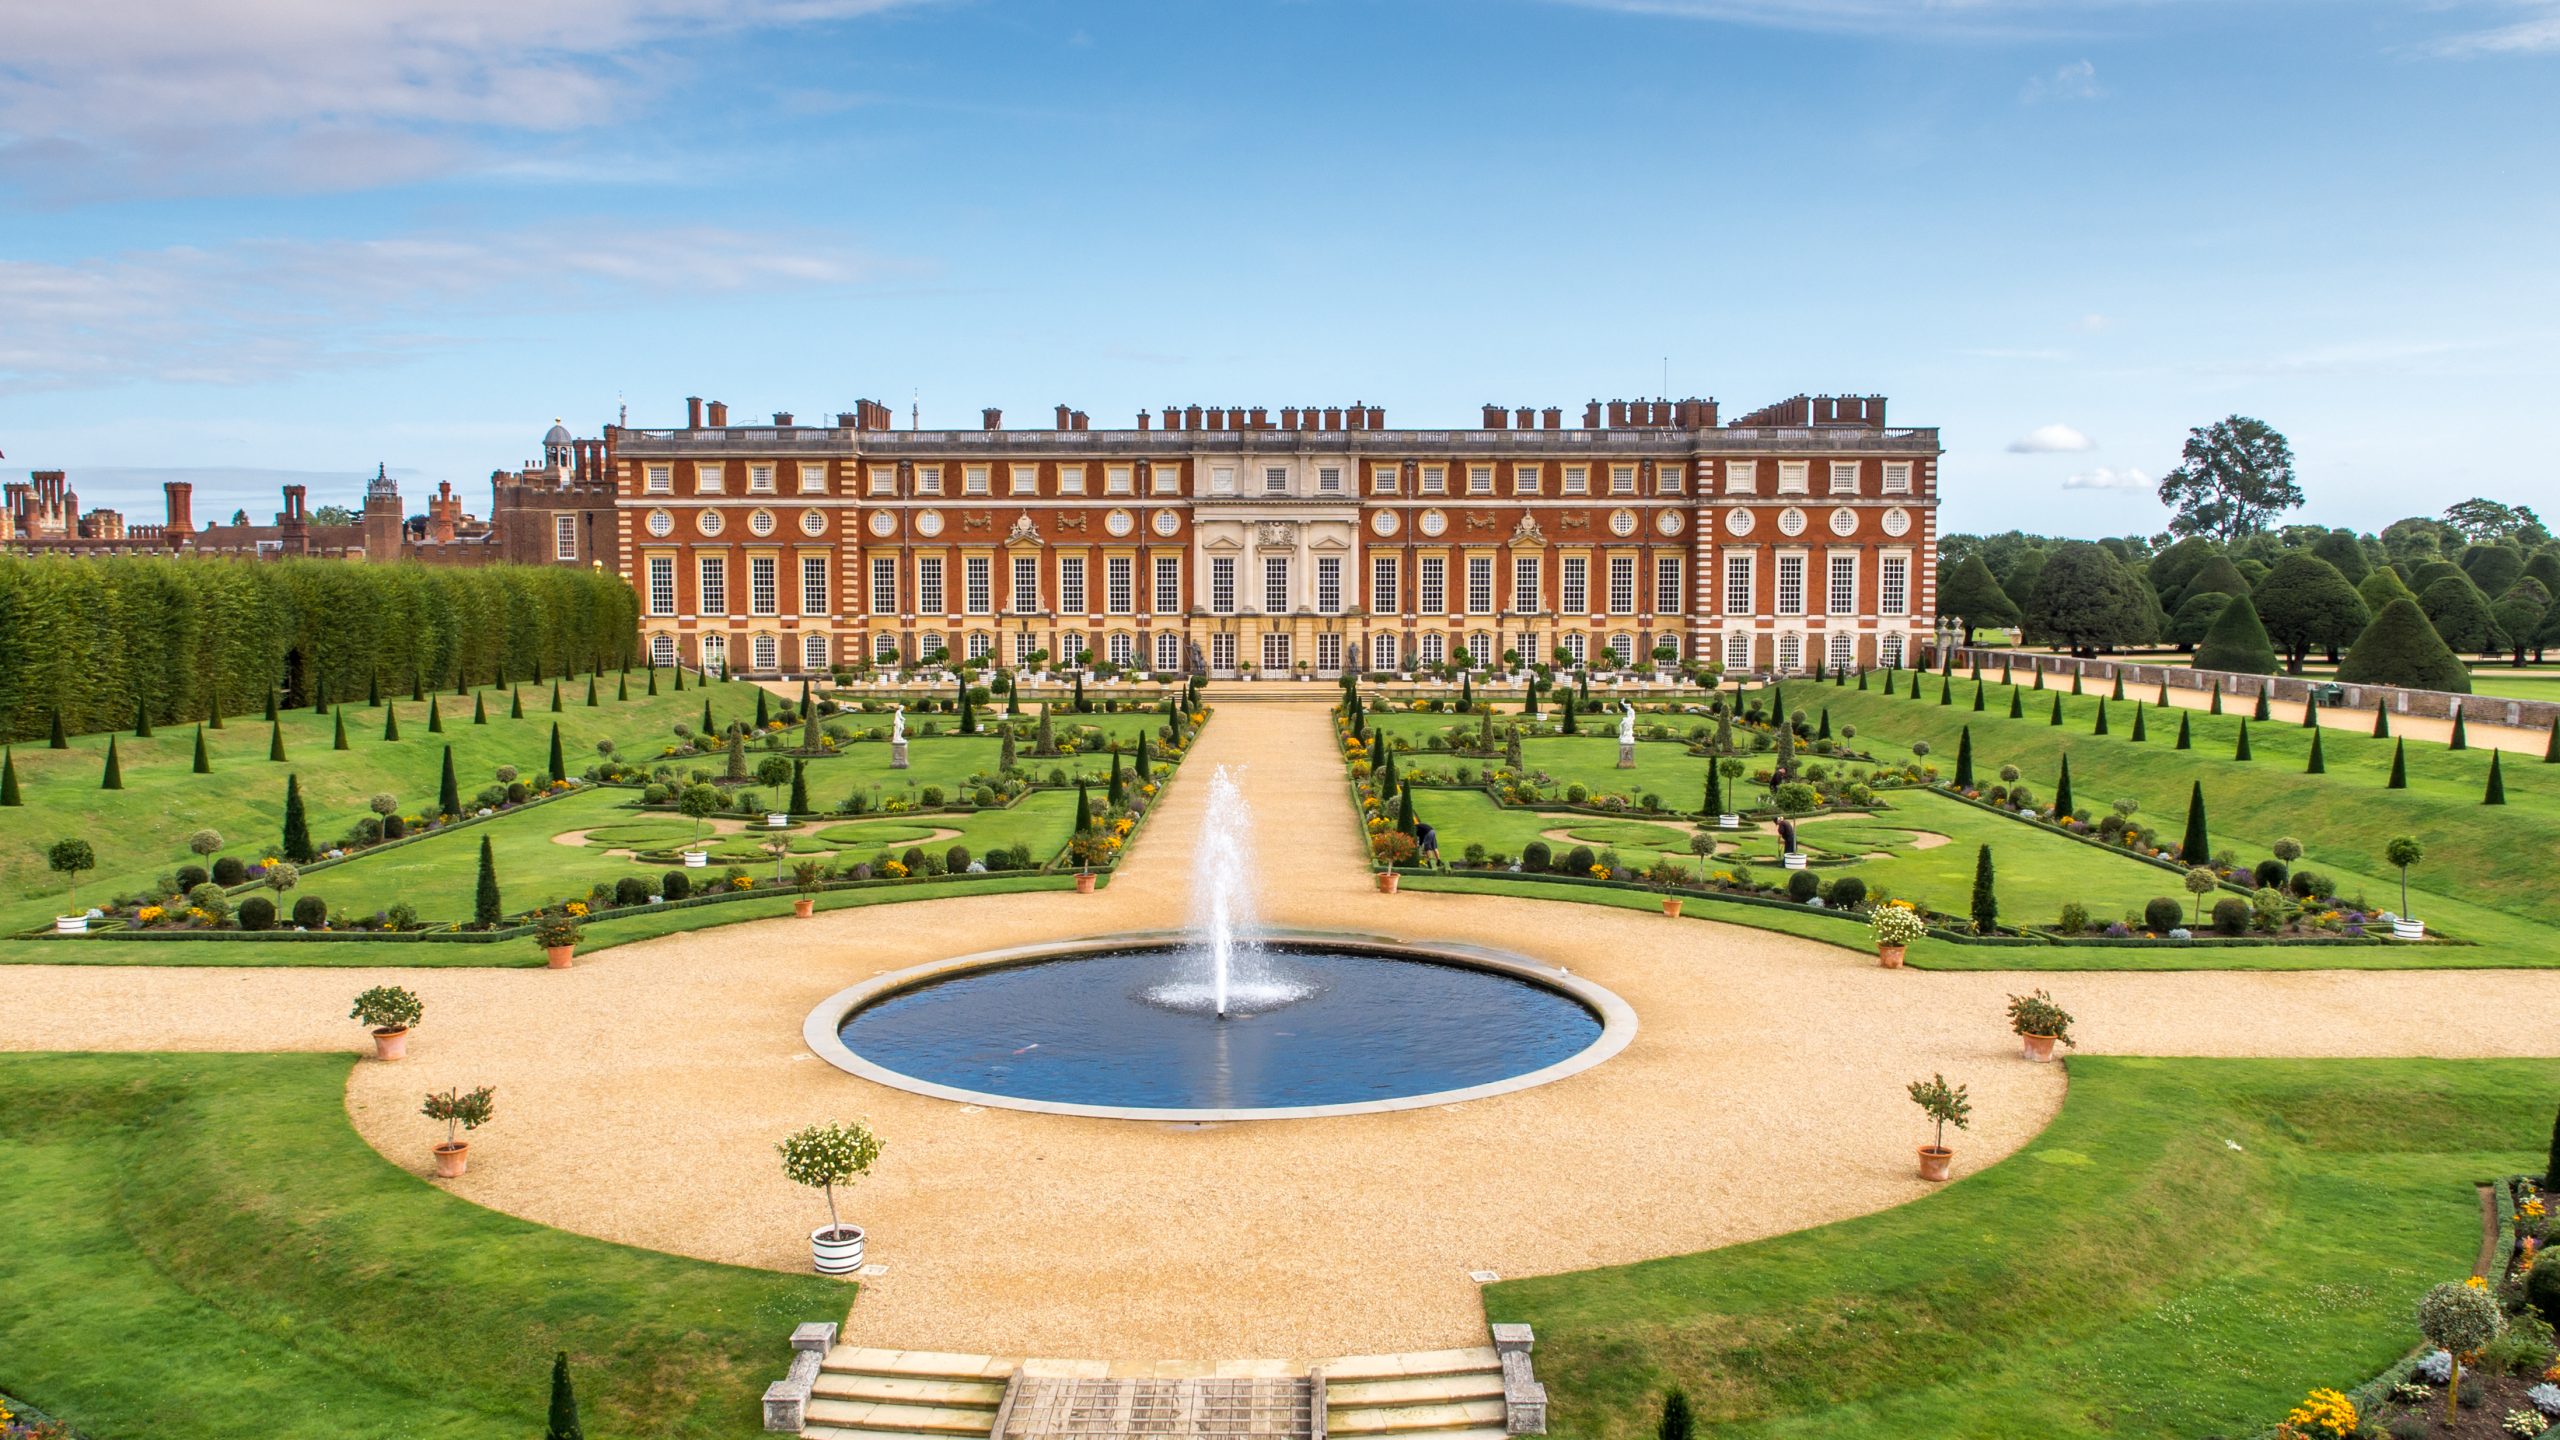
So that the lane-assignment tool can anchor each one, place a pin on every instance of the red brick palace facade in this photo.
(1803, 532)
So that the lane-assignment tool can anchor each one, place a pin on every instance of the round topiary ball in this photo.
(2161, 914)
(2231, 916)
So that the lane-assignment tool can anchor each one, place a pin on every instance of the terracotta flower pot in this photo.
(1934, 1160)
(1084, 884)
(1387, 882)
(804, 907)
(1671, 906)
(2036, 1047)
(452, 1158)
(1889, 956)
(557, 956)
(391, 1043)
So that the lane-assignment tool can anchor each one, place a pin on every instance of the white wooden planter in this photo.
(695, 860)
(71, 925)
(1728, 822)
(2408, 929)
(777, 821)
(836, 1251)
(1795, 859)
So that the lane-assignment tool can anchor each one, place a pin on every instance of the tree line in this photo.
(90, 640)
(2246, 595)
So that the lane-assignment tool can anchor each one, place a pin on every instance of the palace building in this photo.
(1298, 540)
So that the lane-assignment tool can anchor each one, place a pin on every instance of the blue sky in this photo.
(306, 237)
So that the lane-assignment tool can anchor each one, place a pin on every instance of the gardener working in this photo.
(1428, 842)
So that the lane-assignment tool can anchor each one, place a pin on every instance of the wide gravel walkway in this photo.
(640, 1094)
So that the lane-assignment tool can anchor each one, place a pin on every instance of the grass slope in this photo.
(140, 831)
(202, 1249)
(2487, 873)
(2190, 1247)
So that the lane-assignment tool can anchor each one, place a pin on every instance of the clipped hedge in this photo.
(193, 635)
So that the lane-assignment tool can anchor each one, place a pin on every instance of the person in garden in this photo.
(1426, 845)
(1786, 835)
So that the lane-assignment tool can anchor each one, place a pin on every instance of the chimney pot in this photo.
(1288, 417)
(1554, 417)
(719, 414)
(693, 412)
(991, 418)
(1591, 415)
(1062, 417)
(1493, 417)
(1333, 418)
(1142, 420)
(1377, 417)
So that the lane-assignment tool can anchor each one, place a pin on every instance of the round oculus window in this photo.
(708, 522)
(661, 524)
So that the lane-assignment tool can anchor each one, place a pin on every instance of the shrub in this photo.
(2075, 919)
(655, 795)
(631, 890)
(1846, 893)
(956, 860)
(929, 796)
(2542, 1291)
(2310, 883)
(2271, 872)
(2231, 916)
(1576, 793)
(311, 912)
(228, 871)
(257, 913)
(913, 859)
(676, 885)
(1536, 858)
(2161, 914)
(1803, 885)
(387, 1007)
(1579, 860)
(191, 876)
(773, 770)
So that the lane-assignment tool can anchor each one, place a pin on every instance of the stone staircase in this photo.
(852, 1392)
(1433, 1394)
(870, 1394)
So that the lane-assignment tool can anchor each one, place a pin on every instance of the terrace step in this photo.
(819, 1431)
(1416, 1419)
(1413, 1390)
(912, 1389)
(1412, 1363)
(878, 1415)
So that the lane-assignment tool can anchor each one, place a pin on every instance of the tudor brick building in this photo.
(1217, 539)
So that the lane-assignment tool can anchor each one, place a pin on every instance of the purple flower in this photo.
(2119, 931)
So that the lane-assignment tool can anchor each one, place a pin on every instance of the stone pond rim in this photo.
(1617, 1022)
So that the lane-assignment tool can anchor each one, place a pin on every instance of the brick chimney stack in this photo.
(718, 414)
(693, 412)
(181, 502)
(991, 418)
(444, 514)
(294, 525)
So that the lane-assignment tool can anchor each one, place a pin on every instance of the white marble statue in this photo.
(1626, 723)
(897, 724)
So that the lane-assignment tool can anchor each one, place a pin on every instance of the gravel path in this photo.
(639, 1096)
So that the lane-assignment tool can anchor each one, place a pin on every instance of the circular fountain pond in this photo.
(1313, 1025)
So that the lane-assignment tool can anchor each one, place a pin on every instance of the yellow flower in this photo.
(745, 882)
(2477, 1283)
(894, 869)
(1599, 872)
(576, 907)
(149, 913)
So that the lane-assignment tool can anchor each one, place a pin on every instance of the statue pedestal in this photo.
(897, 754)
(1626, 754)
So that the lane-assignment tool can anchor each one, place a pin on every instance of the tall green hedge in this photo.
(186, 635)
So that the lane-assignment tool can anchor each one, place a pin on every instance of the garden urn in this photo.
(1889, 956)
(1934, 1160)
(1084, 883)
(836, 1249)
(452, 1158)
(557, 956)
(803, 907)
(391, 1042)
(2036, 1047)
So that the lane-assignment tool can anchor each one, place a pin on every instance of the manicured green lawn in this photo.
(200, 1248)
(140, 832)
(2038, 871)
(2487, 874)
(2191, 1246)
(1044, 820)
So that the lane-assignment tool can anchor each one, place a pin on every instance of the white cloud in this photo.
(208, 95)
(2075, 81)
(2050, 440)
(266, 309)
(1927, 18)
(2537, 32)
(2108, 478)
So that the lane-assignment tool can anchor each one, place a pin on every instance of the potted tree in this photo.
(1732, 770)
(390, 1011)
(1087, 849)
(2403, 852)
(69, 857)
(804, 878)
(824, 1157)
(460, 1110)
(1664, 873)
(2459, 1320)
(1944, 1107)
(2039, 1023)
(557, 933)
(1894, 925)
(1393, 848)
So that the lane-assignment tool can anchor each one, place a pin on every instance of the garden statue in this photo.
(897, 737)
(1626, 736)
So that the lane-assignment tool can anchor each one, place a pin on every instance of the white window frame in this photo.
(1168, 650)
(1329, 585)
(1071, 596)
(708, 479)
(1788, 596)
(564, 535)
(1222, 651)
(662, 649)
(1022, 480)
(662, 584)
(1844, 477)
(1070, 479)
(711, 585)
(1168, 585)
(1275, 585)
(1384, 479)
(1573, 585)
(1742, 477)
(1795, 477)
(1528, 594)
(1737, 650)
(1622, 585)
(1837, 598)
(1025, 596)
(764, 654)
(1666, 585)
(661, 480)
(1480, 585)
(1741, 582)
(1120, 584)
(931, 599)
(815, 585)
(1386, 590)
(1222, 586)
(764, 586)
(813, 479)
(1431, 584)
(813, 651)
(1897, 477)
(978, 584)
(1893, 585)
(884, 585)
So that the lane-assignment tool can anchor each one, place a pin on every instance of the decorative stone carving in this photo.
(1072, 520)
(1574, 520)
(977, 520)
(1023, 531)
(1276, 532)
(1527, 532)
(1480, 520)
